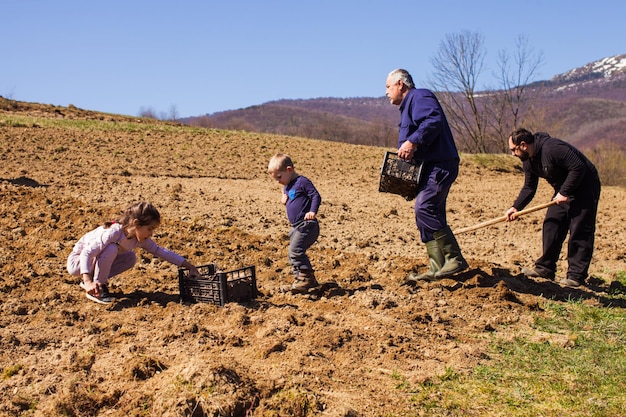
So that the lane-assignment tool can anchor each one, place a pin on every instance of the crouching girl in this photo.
(109, 250)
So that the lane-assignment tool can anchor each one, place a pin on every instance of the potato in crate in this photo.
(217, 287)
(399, 177)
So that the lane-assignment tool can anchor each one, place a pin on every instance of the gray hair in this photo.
(403, 75)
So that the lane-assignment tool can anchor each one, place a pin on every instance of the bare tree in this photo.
(482, 120)
(148, 112)
(152, 114)
(506, 106)
(457, 66)
(9, 95)
(173, 113)
(610, 159)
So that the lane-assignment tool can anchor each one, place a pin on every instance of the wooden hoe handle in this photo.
(503, 218)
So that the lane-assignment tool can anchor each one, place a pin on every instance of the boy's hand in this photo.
(310, 216)
(284, 198)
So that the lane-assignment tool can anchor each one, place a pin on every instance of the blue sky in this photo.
(206, 56)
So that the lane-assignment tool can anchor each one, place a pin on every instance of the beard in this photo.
(523, 156)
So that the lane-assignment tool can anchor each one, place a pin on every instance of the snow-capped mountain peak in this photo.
(603, 68)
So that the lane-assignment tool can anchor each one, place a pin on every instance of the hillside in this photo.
(584, 106)
(363, 121)
(363, 345)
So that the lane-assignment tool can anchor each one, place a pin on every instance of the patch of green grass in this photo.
(130, 125)
(402, 382)
(12, 122)
(578, 368)
(493, 162)
(9, 371)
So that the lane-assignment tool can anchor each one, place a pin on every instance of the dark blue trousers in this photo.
(430, 204)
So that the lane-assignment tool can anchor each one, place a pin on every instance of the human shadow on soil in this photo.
(595, 289)
(329, 289)
(140, 298)
(607, 296)
(332, 289)
(25, 181)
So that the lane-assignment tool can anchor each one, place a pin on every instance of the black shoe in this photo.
(533, 273)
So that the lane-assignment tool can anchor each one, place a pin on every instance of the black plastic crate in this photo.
(399, 177)
(217, 287)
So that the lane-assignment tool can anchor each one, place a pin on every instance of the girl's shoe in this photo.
(103, 298)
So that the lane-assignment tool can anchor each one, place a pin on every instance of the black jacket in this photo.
(563, 166)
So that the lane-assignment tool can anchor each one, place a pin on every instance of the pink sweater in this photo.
(92, 243)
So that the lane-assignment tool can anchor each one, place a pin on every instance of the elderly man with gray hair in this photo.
(425, 138)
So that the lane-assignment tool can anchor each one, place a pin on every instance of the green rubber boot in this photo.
(435, 256)
(454, 261)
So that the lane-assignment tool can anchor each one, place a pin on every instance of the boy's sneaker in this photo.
(304, 282)
(301, 287)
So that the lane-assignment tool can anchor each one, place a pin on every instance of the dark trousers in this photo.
(430, 204)
(301, 237)
(578, 217)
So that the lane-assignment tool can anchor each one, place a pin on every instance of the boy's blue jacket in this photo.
(303, 197)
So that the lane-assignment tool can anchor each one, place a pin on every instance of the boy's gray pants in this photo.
(301, 237)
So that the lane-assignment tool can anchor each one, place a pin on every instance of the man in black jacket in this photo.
(577, 191)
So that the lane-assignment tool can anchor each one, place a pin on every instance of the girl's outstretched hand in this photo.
(193, 271)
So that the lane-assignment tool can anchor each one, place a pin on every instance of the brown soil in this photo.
(335, 352)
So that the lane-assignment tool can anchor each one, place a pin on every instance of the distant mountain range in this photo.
(584, 106)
